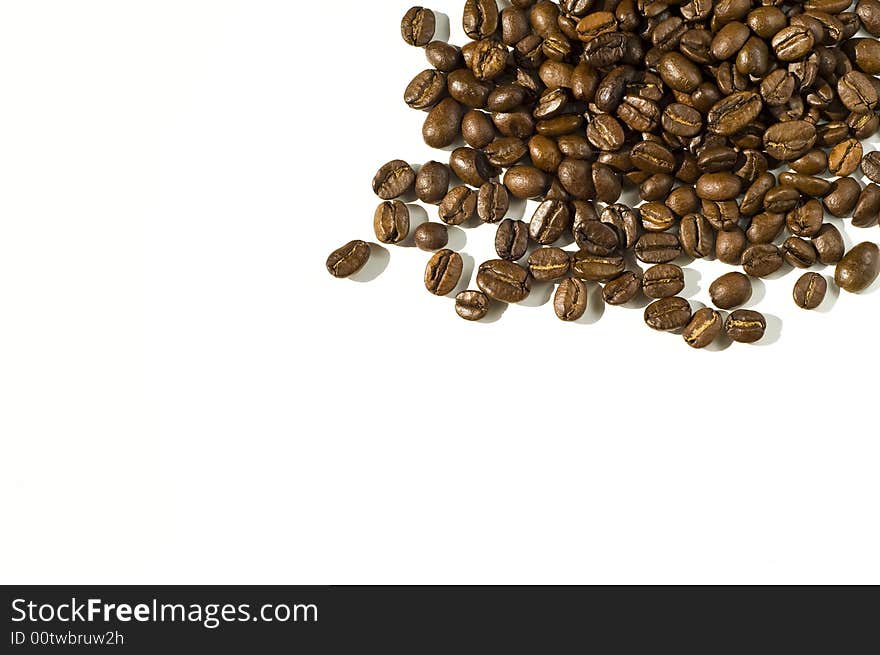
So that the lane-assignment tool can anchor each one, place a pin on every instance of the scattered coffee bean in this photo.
(391, 221)
(668, 314)
(393, 180)
(859, 268)
(762, 259)
(349, 259)
(504, 281)
(417, 26)
(443, 272)
(511, 239)
(809, 290)
(663, 281)
(431, 236)
(472, 305)
(703, 329)
(570, 299)
(547, 264)
(745, 326)
(731, 290)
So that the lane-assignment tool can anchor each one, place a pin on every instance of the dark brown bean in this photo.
(431, 236)
(504, 281)
(809, 291)
(570, 299)
(731, 290)
(668, 314)
(547, 264)
(745, 326)
(703, 328)
(761, 259)
(391, 221)
(472, 305)
(443, 272)
(349, 259)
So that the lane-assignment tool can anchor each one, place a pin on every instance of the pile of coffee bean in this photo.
(739, 123)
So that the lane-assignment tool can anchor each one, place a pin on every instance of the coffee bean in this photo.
(723, 215)
(443, 56)
(458, 206)
(871, 166)
(792, 43)
(730, 290)
(703, 329)
(868, 206)
(809, 291)
(753, 198)
(761, 259)
(730, 246)
(745, 326)
(417, 26)
(526, 181)
(487, 58)
(394, 179)
(550, 220)
(857, 92)
(425, 90)
(472, 305)
(570, 299)
(443, 124)
(777, 88)
(652, 157)
(668, 314)
(798, 253)
(789, 140)
(765, 227)
(477, 129)
(625, 220)
(658, 248)
(806, 220)
(815, 187)
(480, 18)
(656, 217)
(829, 245)
(443, 272)
(547, 264)
(349, 259)
(663, 281)
(781, 199)
(586, 266)
(845, 157)
(679, 73)
(596, 238)
(605, 132)
(859, 268)
(814, 162)
(842, 199)
(622, 289)
(639, 114)
(734, 112)
(656, 188)
(683, 201)
(431, 236)
(391, 221)
(511, 239)
(492, 202)
(766, 21)
(682, 120)
(471, 166)
(432, 182)
(504, 281)
(505, 151)
(718, 186)
(697, 236)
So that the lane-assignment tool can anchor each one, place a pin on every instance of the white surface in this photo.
(186, 395)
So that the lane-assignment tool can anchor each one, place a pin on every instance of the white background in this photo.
(187, 396)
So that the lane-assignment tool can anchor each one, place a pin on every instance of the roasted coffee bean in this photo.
(857, 92)
(477, 129)
(789, 140)
(505, 151)
(765, 227)
(805, 221)
(865, 54)
(394, 179)
(868, 207)
(830, 134)
(605, 50)
(798, 252)
(868, 12)
(734, 112)
(443, 56)
(622, 289)
(432, 182)
(658, 248)
(605, 132)
(859, 268)
(678, 72)
(843, 197)
(550, 220)
(487, 58)
(349, 259)
(511, 239)
(586, 266)
(815, 187)
(471, 166)
(761, 259)
(683, 201)
(682, 120)
(639, 114)
(829, 245)
(766, 21)
(697, 236)
(656, 217)
(480, 18)
(863, 126)
(809, 291)
(730, 246)
(426, 89)
(504, 281)
(574, 146)
(656, 188)
(492, 202)
(391, 221)
(443, 124)
(417, 26)
(781, 199)
(729, 39)
(753, 198)
(470, 91)
(668, 314)
(547, 264)
(745, 326)
(652, 157)
(526, 182)
(718, 186)
(814, 162)
(605, 182)
(730, 290)
(723, 215)
(472, 305)
(431, 236)
(703, 329)
(596, 238)
(715, 158)
(443, 272)
(871, 166)
(545, 153)
(458, 206)
(663, 281)
(845, 157)
(777, 88)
